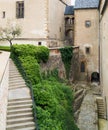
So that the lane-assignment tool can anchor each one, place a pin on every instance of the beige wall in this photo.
(56, 18)
(34, 22)
(87, 37)
(104, 53)
(43, 19)
(56, 27)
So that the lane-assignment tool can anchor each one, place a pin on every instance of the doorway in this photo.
(95, 77)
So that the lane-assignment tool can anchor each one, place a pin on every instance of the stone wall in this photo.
(74, 72)
(4, 73)
(54, 62)
(87, 38)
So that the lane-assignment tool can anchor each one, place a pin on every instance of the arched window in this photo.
(82, 67)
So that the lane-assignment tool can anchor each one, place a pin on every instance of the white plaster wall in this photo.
(4, 76)
(33, 42)
(56, 19)
(104, 54)
(34, 23)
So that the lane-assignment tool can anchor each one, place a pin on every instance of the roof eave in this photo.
(86, 8)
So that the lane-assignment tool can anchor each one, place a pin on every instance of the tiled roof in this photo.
(85, 4)
(69, 10)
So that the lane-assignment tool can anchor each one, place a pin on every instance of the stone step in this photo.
(28, 128)
(101, 114)
(101, 107)
(100, 102)
(16, 111)
(19, 115)
(14, 69)
(19, 120)
(16, 87)
(17, 83)
(101, 111)
(19, 106)
(20, 125)
(19, 99)
(14, 74)
(19, 111)
(17, 80)
(78, 93)
(18, 102)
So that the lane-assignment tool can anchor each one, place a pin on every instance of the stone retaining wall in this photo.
(54, 62)
(4, 74)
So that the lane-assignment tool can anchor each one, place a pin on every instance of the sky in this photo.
(72, 2)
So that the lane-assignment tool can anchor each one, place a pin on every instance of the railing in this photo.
(69, 26)
(29, 84)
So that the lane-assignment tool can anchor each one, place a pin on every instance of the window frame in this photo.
(82, 67)
(39, 43)
(3, 14)
(88, 23)
(87, 50)
(20, 9)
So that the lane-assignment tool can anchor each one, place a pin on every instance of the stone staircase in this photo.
(19, 109)
(101, 107)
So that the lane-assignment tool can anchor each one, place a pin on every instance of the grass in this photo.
(5, 48)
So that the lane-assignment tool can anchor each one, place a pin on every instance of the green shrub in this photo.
(25, 50)
(41, 53)
(54, 105)
(53, 99)
(32, 68)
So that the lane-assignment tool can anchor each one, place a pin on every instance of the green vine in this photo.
(66, 54)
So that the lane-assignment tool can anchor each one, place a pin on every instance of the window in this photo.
(20, 9)
(60, 29)
(39, 43)
(3, 14)
(87, 49)
(88, 23)
(82, 67)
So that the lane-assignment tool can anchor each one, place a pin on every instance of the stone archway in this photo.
(95, 77)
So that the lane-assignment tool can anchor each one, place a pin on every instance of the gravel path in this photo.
(88, 117)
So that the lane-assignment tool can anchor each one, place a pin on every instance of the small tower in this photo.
(86, 36)
(69, 25)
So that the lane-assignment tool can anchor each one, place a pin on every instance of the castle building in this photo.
(69, 25)
(42, 21)
(86, 36)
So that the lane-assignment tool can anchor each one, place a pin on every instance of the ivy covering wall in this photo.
(66, 54)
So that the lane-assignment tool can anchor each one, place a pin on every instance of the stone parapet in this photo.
(4, 74)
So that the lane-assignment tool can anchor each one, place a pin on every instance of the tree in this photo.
(10, 33)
